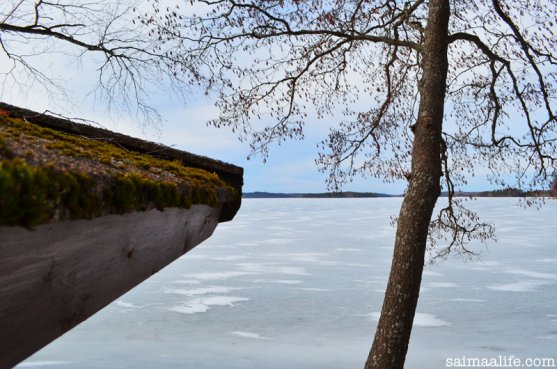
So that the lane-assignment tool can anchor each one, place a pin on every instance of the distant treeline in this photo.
(507, 192)
(269, 195)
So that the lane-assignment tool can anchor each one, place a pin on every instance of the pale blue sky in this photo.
(290, 167)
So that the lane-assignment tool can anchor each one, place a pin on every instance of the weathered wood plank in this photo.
(58, 275)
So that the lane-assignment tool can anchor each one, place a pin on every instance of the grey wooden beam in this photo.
(58, 275)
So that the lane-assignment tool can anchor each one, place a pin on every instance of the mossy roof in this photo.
(48, 175)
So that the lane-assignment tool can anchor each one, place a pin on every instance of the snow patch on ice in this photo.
(420, 319)
(40, 364)
(229, 258)
(551, 337)
(219, 275)
(201, 291)
(442, 285)
(270, 268)
(432, 274)
(255, 336)
(523, 286)
(532, 274)
(204, 304)
(182, 281)
(127, 305)
(279, 281)
(306, 257)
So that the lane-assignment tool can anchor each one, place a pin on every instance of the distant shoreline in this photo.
(510, 192)
(273, 195)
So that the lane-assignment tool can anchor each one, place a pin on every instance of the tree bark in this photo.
(401, 297)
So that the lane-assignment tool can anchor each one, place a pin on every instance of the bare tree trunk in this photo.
(397, 315)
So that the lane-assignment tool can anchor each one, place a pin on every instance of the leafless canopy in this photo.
(125, 57)
(356, 62)
(276, 60)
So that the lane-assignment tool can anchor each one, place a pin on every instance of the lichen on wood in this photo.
(48, 176)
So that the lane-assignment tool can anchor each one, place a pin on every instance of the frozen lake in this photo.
(298, 284)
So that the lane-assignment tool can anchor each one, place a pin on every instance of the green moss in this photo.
(31, 195)
(34, 194)
(3, 147)
(132, 192)
(104, 152)
(23, 194)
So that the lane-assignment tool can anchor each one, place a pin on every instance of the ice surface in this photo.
(420, 319)
(306, 273)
